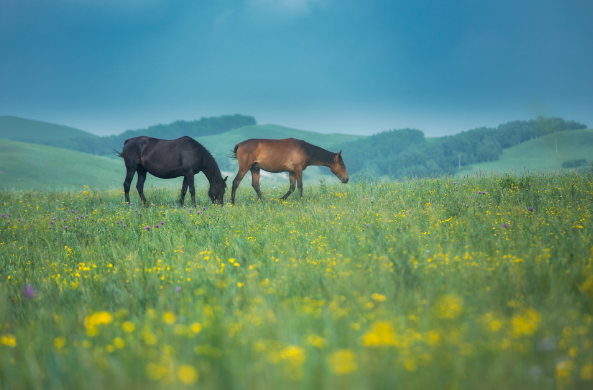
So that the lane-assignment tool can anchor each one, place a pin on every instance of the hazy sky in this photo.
(324, 65)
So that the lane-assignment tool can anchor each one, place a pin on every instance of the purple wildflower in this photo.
(157, 226)
(117, 222)
(114, 179)
(479, 192)
(410, 211)
(63, 220)
(29, 291)
(147, 227)
(177, 289)
(77, 218)
(198, 213)
(51, 222)
(505, 225)
(368, 225)
(65, 227)
(203, 208)
(4, 216)
(124, 225)
(530, 209)
(190, 210)
(162, 223)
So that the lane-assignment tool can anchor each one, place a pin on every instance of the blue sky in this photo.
(323, 65)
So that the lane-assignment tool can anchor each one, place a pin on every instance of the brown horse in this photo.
(283, 155)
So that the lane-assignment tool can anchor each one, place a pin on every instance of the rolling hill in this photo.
(15, 128)
(540, 154)
(30, 166)
(223, 144)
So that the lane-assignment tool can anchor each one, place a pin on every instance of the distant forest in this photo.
(197, 128)
(399, 153)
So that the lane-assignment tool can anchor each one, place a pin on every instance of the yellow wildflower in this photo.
(380, 334)
(169, 318)
(526, 323)
(342, 362)
(128, 326)
(187, 374)
(449, 307)
(8, 340)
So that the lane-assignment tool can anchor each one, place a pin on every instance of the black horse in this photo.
(168, 159)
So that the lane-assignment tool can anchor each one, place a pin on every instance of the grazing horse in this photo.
(167, 159)
(283, 155)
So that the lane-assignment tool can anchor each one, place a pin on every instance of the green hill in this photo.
(540, 154)
(14, 128)
(222, 144)
(30, 166)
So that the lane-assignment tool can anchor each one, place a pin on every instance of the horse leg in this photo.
(183, 191)
(299, 177)
(292, 177)
(128, 183)
(192, 189)
(255, 180)
(140, 183)
(236, 183)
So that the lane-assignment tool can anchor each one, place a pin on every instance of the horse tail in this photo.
(234, 152)
(118, 154)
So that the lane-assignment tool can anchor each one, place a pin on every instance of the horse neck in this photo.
(315, 161)
(212, 174)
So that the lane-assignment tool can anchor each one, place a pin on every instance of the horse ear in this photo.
(339, 156)
(225, 179)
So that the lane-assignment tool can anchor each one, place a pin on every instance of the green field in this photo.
(30, 166)
(484, 282)
(540, 154)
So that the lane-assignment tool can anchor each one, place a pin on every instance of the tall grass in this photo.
(476, 282)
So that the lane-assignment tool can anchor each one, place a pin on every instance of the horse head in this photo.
(338, 168)
(216, 191)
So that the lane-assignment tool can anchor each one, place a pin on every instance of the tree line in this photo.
(399, 153)
(196, 128)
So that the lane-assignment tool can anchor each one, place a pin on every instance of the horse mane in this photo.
(210, 163)
(318, 153)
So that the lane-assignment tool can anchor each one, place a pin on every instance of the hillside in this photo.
(540, 154)
(14, 128)
(222, 144)
(30, 166)
(36, 167)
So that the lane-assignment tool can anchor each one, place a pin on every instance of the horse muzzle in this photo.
(344, 180)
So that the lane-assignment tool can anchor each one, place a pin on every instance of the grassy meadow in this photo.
(481, 282)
